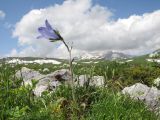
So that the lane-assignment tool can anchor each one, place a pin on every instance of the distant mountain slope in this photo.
(87, 56)
(26, 60)
(155, 54)
(115, 55)
(31, 58)
(107, 56)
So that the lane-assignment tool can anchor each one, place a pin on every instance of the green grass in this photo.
(114, 106)
(17, 102)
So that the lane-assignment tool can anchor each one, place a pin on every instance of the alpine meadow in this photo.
(79, 60)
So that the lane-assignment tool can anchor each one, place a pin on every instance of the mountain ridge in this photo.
(110, 55)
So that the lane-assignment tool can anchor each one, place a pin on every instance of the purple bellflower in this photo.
(53, 35)
(49, 33)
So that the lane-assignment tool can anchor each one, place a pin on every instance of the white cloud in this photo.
(90, 28)
(2, 14)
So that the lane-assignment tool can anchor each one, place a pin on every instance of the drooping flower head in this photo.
(49, 32)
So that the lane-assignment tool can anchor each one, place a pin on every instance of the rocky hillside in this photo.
(155, 54)
(27, 60)
(50, 82)
(106, 56)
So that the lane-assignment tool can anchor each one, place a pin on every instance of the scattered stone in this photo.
(98, 81)
(61, 75)
(150, 95)
(51, 81)
(94, 81)
(27, 75)
(44, 85)
(45, 82)
(82, 80)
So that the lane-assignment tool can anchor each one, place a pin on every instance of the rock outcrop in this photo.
(53, 80)
(45, 82)
(27, 75)
(92, 81)
(149, 95)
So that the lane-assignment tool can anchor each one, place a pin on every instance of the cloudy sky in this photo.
(95, 26)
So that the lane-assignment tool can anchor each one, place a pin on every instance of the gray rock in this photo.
(45, 82)
(61, 75)
(51, 81)
(27, 75)
(43, 86)
(39, 89)
(150, 95)
(92, 81)
(98, 81)
(82, 80)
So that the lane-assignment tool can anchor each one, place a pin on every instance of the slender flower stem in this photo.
(70, 67)
(53, 35)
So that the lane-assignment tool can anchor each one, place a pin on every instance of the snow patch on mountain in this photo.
(153, 60)
(18, 61)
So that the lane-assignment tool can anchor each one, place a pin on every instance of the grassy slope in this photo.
(17, 102)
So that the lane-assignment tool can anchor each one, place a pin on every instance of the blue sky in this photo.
(16, 9)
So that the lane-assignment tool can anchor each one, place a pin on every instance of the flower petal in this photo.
(48, 26)
(48, 34)
(39, 37)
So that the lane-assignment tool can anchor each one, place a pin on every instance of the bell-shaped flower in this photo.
(49, 33)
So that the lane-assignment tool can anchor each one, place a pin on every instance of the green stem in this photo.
(70, 67)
